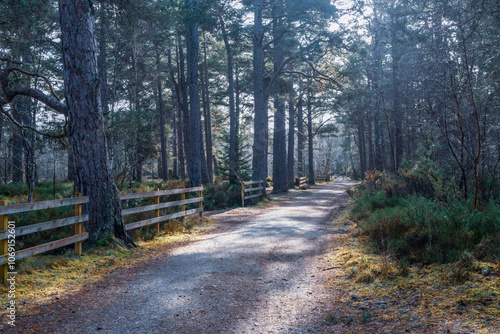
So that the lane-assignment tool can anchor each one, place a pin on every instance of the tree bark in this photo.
(377, 77)
(300, 140)
(184, 105)
(280, 169)
(310, 140)
(396, 91)
(101, 61)
(161, 115)
(177, 98)
(86, 120)
(175, 170)
(259, 159)
(362, 148)
(371, 159)
(207, 117)
(291, 141)
(20, 105)
(238, 148)
(192, 42)
(232, 111)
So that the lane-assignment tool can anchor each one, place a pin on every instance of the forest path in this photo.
(264, 276)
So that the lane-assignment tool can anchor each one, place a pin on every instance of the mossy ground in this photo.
(43, 279)
(377, 294)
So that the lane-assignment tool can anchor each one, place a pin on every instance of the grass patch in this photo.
(422, 230)
(377, 287)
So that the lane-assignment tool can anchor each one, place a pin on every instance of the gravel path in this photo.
(264, 276)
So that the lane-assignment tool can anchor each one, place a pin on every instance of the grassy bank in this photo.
(375, 291)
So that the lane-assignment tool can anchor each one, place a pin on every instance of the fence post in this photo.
(4, 243)
(183, 206)
(242, 193)
(264, 189)
(157, 211)
(78, 227)
(200, 194)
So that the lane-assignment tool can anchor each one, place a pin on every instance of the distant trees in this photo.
(428, 89)
(409, 79)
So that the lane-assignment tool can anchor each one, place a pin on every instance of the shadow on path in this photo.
(260, 277)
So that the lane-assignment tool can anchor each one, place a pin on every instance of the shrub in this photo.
(424, 230)
(368, 203)
(221, 195)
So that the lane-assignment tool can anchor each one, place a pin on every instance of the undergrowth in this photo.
(419, 228)
(378, 289)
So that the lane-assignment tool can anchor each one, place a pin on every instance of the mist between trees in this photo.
(110, 92)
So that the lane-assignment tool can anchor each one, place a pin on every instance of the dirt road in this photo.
(263, 276)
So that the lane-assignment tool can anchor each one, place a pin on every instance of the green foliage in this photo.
(146, 233)
(243, 156)
(106, 240)
(10, 190)
(420, 229)
(221, 195)
(367, 204)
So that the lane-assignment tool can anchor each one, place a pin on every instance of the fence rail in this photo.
(78, 219)
(319, 178)
(251, 190)
(301, 182)
(324, 178)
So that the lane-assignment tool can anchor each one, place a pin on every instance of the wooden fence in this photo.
(324, 178)
(319, 178)
(301, 182)
(78, 219)
(247, 193)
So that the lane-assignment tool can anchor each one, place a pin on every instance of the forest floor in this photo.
(276, 268)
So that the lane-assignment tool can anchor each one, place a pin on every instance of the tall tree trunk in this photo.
(377, 77)
(300, 140)
(86, 120)
(29, 151)
(362, 148)
(29, 138)
(20, 106)
(371, 158)
(439, 71)
(175, 155)
(3, 168)
(237, 148)
(71, 165)
(259, 159)
(101, 60)
(161, 115)
(137, 161)
(207, 117)
(310, 140)
(232, 111)
(184, 104)
(195, 155)
(291, 141)
(204, 170)
(280, 169)
(396, 91)
(177, 101)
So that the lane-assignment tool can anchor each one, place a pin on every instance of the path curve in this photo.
(260, 277)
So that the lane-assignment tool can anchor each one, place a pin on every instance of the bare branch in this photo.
(24, 127)
(38, 76)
